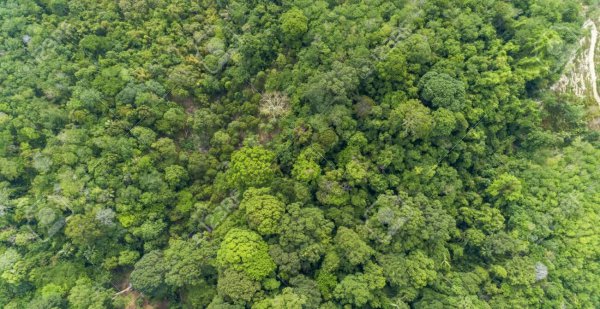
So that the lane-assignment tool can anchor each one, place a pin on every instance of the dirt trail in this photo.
(590, 59)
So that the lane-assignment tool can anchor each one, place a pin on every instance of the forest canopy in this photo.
(294, 154)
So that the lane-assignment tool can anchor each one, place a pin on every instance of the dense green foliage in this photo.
(294, 154)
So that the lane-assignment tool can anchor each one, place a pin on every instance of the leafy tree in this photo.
(85, 295)
(408, 273)
(175, 175)
(441, 90)
(237, 286)
(287, 299)
(87, 229)
(187, 262)
(357, 289)
(351, 247)
(331, 191)
(251, 167)
(306, 170)
(293, 24)
(244, 251)
(412, 119)
(149, 274)
(506, 187)
(264, 211)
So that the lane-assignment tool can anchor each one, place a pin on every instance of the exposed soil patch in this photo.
(590, 60)
(580, 75)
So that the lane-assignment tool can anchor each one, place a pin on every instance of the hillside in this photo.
(299, 154)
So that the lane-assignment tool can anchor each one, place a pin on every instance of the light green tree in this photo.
(293, 24)
(251, 167)
(263, 211)
(246, 252)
